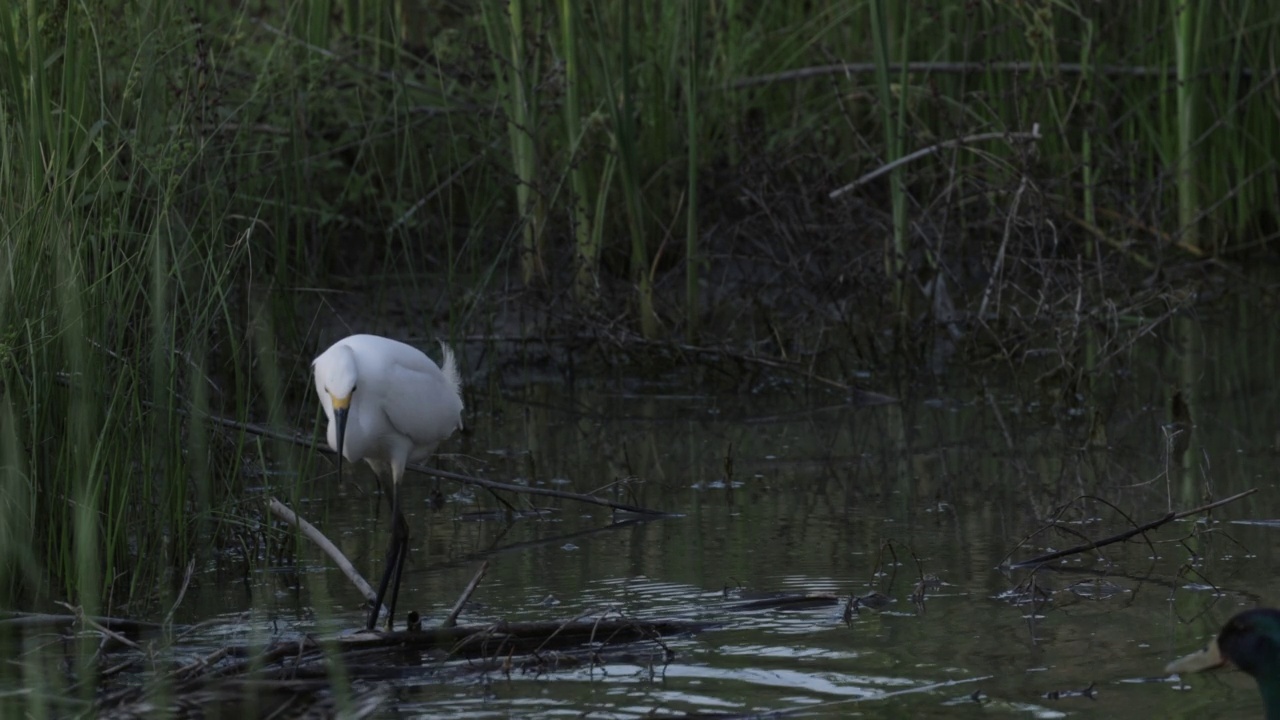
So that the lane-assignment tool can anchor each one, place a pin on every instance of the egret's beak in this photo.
(341, 406)
(1206, 659)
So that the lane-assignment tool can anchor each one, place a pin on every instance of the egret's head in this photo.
(336, 381)
(341, 409)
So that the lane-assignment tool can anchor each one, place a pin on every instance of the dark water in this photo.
(827, 497)
(823, 497)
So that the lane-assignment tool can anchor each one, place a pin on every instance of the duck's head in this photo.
(1249, 641)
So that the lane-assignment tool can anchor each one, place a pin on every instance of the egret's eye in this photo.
(353, 388)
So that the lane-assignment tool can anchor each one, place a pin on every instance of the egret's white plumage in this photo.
(389, 405)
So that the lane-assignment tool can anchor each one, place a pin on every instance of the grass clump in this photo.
(120, 312)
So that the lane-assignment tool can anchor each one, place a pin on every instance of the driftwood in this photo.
(452, 619)
(790, 601)
(478, 641)
(283, 512)
(289, 677)
(808, 601)
(504, 639)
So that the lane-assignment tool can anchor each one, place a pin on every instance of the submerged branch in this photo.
(1120, 537)
(302, 441)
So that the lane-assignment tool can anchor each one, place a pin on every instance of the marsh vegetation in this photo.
(817, 205)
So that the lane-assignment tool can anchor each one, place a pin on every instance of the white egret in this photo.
(389, 405)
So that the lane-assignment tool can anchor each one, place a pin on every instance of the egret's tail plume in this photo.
(450, 368)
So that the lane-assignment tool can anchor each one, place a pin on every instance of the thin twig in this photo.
(1166, 518)
(262, 431)
(945, 144)
(49, 620)
(995, 410)
(182, 592)
(961, 68)
(722, 352)
(402, 78)
(208, 661)
(1004, 244)
(90, 622)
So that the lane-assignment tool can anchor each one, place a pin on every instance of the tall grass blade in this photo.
(892, 123)
(1186, 28)
(620, 88)
(693, 32)
(505, 25)
(587, 249)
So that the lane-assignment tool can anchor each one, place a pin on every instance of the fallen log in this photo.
(504, 638)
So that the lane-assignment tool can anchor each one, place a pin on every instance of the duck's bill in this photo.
(1207, 659)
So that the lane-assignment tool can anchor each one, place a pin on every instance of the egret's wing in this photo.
(421, 402)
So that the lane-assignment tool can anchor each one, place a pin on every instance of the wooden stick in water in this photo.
(452, 619)
(281, 511)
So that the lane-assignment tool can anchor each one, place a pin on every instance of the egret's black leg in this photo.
(394, 560)
(382, 491)
(393, 552)
(400, 533)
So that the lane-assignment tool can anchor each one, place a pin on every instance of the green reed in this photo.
(893, 124)
(1185, 32)
(587, 249)
(515, 69)
(693, 57)
(106, 308)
